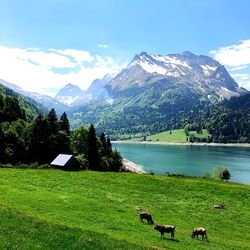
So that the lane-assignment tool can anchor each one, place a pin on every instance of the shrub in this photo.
(104, 164)
(222, 173)
(83, 161)
(206, 175)
(8, 165)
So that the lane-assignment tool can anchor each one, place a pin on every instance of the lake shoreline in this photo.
(212, 144)
(129, 166)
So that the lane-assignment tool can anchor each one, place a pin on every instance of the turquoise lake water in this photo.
(188, 159)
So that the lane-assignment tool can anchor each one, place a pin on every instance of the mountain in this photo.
(201, 73)
(98, 88)
(156, 93)
(74, 96)
(39, 99)
(69, 94)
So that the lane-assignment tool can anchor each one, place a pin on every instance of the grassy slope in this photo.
(98, 210)
(176, 136)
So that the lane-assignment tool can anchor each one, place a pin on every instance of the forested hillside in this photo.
(230, 120)
(40, 140)
(226, 121)
(30, 107)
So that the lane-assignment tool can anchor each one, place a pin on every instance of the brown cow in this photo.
(199, 231)
(165, 229)
(146, 216)
(219, 206)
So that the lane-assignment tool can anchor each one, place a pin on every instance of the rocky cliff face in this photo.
(201, 73)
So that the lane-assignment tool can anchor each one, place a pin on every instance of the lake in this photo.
(188, 159)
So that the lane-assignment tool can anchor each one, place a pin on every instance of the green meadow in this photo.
(177, 135)
(53, 209)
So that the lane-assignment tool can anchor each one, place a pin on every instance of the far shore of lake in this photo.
(212, 144)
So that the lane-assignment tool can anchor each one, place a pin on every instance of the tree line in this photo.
(41, 140)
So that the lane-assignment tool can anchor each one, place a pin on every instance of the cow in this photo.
(146, 216)
(165, 229)
(199, 231)
(219, 206)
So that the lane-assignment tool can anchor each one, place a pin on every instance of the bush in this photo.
(44, 166)
(83, 161)
(104, 164)
(8, 165)
(206, 175)
(221, 173)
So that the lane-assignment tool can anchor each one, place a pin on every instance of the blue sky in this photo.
(76, 40)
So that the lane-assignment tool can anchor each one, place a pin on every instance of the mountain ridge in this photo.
(44, 100)
(202, 72)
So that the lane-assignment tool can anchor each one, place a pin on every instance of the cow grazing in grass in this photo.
(146, 216)
(219, 206)
(165, 229)
(199, 231)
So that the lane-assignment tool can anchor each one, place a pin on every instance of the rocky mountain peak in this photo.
(69, 93)
(202, 73)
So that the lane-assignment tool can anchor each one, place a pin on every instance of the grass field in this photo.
(52, 209)
(176, 136)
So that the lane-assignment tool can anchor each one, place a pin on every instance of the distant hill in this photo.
(38, 99)
(230, 120)
(30, 106)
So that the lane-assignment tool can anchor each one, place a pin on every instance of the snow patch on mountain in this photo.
(171, 61)
(152, 68)
(208, 69)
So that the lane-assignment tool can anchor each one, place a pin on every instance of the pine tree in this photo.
(109, 147)
(93, 157)
(64, 123)
(53, 123)
(39, 140)
(2, 145)
(104, 144)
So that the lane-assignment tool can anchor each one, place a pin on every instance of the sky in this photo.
(45, 44)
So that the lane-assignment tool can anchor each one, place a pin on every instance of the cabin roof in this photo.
(61, 160)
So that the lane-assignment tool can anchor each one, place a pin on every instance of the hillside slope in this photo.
(31, 107)
(103, 207)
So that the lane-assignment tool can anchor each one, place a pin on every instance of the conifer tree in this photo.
(64, 123)
(52, 119)
(93, 157)
(2, 145)
(109, 147)
(103, 143)
(39, 140)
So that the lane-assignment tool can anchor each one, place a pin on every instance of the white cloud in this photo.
(241, 76)
(237, 68)
(233, 55)
(39, 70)
(78, 55)
(243, 79)
(236, 58)
(37, 57)
(104, 46)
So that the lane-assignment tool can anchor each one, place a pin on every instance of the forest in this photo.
(226, 121)
(39, 141)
